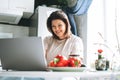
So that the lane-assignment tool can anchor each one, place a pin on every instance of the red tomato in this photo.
(66, 62)
(60, 64)
(71, 63)
(59, 61)
(60, 57)
(52, 64)
(74, 62)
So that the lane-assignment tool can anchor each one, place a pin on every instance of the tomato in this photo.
(74, 62)
(71, 63)
(60, 57)
(65, 63)
(59, 61)
(60, 64)
(52, 64)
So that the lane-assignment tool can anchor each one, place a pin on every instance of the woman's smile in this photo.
(59, 28)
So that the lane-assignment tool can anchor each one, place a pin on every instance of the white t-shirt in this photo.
(72, 45)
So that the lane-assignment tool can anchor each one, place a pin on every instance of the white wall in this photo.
(38, 25)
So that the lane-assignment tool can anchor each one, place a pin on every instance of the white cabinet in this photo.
(11, 11)
(27, 6)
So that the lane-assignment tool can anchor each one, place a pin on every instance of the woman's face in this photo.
(59, 28)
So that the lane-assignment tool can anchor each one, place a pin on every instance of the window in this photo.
(103, 30)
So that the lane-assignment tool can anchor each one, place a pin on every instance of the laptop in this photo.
(23, 54)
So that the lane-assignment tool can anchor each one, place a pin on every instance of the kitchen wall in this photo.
(14, 30)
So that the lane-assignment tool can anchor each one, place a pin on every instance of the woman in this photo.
(62, 40)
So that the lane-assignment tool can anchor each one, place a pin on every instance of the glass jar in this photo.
(76, 56)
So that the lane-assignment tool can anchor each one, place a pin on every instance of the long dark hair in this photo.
(62, 16)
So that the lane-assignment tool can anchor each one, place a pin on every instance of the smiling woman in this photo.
(62, 40)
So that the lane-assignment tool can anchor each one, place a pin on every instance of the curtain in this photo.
(79, 8)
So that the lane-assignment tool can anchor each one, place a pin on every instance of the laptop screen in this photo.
(22, 54)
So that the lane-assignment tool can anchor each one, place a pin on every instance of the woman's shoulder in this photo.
(48, 37)
(74, 37)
